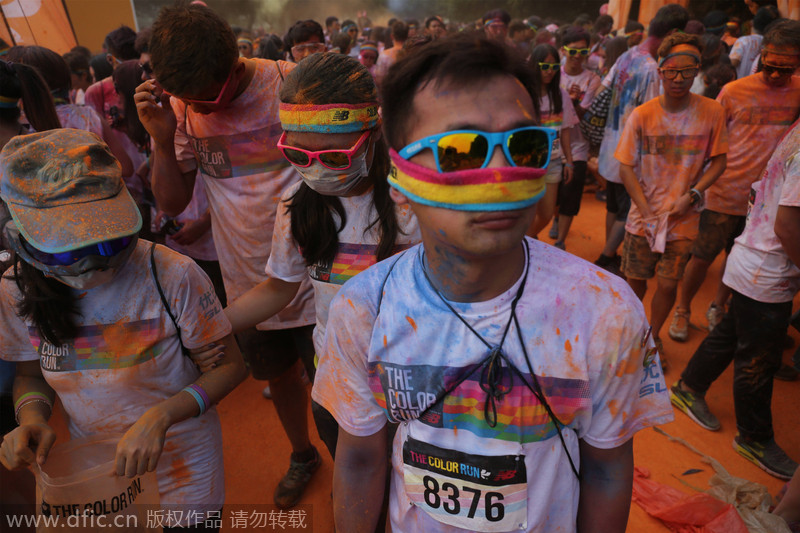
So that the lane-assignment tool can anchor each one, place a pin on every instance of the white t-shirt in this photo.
(589, 82)
(236, 156)
(203, 248)
(392, 350)
(127, 358)
(746, 49)
(758, 267)
(356, 253)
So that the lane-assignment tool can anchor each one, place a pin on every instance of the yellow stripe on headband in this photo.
(8, 103)
(330, 118)
(481, 197)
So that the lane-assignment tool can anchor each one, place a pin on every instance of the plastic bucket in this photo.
(77, 486)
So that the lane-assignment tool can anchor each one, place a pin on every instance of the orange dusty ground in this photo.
(257, 451)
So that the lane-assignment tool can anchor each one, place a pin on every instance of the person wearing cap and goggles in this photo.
(490, 349)
(671, 150)
(219, 127)
(85, 314)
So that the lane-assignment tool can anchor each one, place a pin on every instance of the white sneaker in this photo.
(714, 316)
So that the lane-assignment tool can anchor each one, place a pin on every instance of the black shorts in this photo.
(269, 354)
(618, 201)
(569, 194)
(717, 232)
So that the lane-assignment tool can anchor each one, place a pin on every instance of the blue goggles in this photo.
(100, 249)
(530, 146)
(100, 256)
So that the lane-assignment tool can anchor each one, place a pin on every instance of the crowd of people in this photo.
(364, 208)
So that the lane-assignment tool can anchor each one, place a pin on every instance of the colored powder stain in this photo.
(411, 321)
(568, 346)
(631, 366)
(602, 275)
(558, 331)
(577, 337)
(384, 341)
(351, 303)
(613, 407)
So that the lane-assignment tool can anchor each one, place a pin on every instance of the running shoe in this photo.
(767, 455)
(679, 329)
(294, 483)
(554, 230)
(694, 406)
(714, 316)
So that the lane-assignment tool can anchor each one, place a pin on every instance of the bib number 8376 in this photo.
(492, 500)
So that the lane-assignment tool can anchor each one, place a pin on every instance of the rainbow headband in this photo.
(483, 189)
(243, 40)
(330, 118)
(369, 47)
(8, 103)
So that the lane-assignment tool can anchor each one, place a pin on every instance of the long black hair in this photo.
(25, 82)
(337, 79)
(540, 52)
(46, 302)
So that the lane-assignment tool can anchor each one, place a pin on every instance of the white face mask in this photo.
(335, 182)
(87, 280)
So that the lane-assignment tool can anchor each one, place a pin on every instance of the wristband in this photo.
(197, 398)
(568, 165)
(28, 398)
(695, 196)
(202, 393)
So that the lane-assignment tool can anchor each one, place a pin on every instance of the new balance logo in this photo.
(341, 115)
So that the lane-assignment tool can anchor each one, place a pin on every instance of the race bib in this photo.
(473, 492)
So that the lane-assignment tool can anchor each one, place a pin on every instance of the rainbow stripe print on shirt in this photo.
(420, 392)
(351, 259)
(106, 346)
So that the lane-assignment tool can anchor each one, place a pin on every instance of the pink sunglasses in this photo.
(214, 102)
(332, 159)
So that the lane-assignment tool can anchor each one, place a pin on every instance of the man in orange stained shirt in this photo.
(759, 109)
(663, 153)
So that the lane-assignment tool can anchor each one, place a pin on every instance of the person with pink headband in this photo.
(491, 353)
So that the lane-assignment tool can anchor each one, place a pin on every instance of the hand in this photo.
(206, 357)
(681, 205)
(568, 171)
(155, 112)
(16, 451)
(191, 231)
(575, 92)
(158, 221)
(140, 447)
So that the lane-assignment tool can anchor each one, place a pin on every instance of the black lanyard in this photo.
(492, 369)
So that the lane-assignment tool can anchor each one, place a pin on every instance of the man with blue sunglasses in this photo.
(517, 395)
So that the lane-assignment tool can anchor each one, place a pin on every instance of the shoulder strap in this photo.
(280, 72)
(154, 271)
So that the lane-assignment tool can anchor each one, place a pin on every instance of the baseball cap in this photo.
(64, 190)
